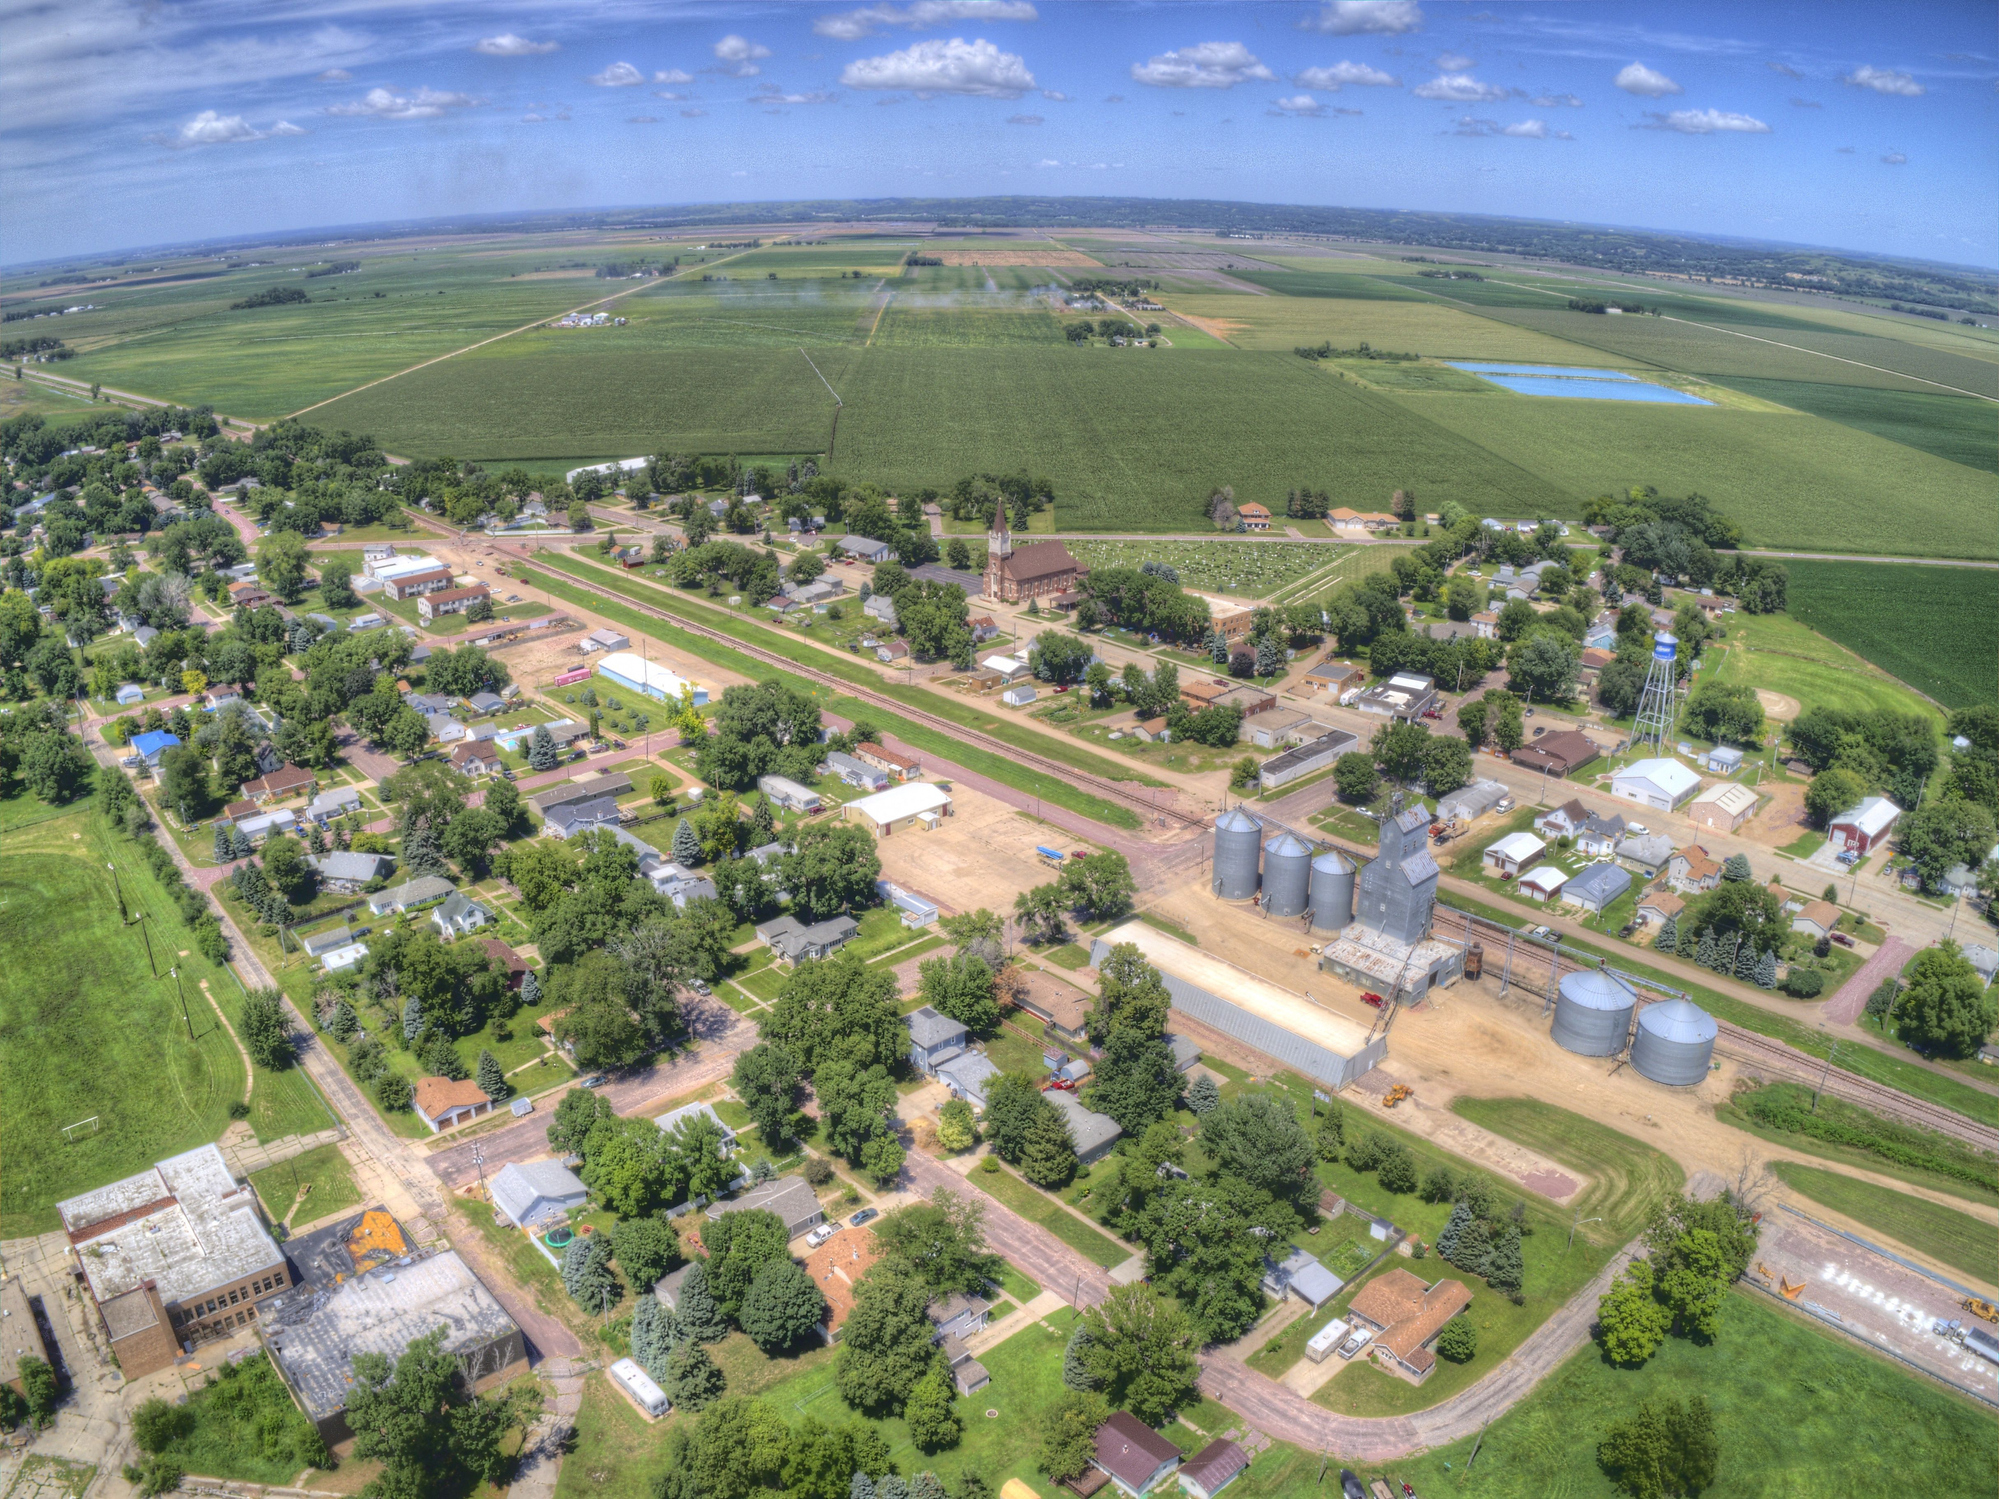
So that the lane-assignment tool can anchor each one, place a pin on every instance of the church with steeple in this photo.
(1016, 574)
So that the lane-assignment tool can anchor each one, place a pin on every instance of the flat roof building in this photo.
(649, 678)
(912, 804)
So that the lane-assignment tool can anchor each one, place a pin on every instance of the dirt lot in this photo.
(1782, 820)
(981, 855)
(1870, 1296)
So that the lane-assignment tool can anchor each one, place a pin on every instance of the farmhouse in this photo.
(175, 1254)
(1039, 570)
(1254, 517)
(1563, 821)
(1407, 1317)
(459, 915)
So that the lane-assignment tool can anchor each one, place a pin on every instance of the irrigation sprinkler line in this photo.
(822, 379)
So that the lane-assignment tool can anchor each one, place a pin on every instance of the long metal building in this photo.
(1322, 1044)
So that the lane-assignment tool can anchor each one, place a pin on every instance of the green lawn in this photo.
(1800, 1411)
(1957, 1239)
(1038, 1207)
(1874, 1144)
(321, 1173)
(1781, 653)
(86, 1029)
(1629, 1180)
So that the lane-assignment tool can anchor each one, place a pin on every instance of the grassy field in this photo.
(1783, 653)
(1885, 1147)
(1954, 427)
(1038, 1207)
(1944, 1234)
(1935, 628)
(1629, 1181)
(322, 1174)
(1800, 1412)
(1790, 480)
(1353, 310)
(86, 1029)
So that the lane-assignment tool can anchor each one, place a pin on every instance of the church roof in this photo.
(1040, 559)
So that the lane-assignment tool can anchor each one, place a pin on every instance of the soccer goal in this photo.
(83, 1129)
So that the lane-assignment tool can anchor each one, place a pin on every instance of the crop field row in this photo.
(1251, 569)
(1959, 428)
(1935, 628)
(1413, 326)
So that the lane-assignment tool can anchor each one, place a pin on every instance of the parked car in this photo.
(1841, 938)
(821, 1234)
(1361, 1338)
(1369, 997)
(865, 1215)
(594, 1080)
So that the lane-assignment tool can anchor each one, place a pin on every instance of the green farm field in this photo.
(1935, 628)
(1792, 481)
(1405, 325)
(86, 1029)
(1959, 428)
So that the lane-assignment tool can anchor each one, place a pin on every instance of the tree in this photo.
(1256, 1138)
(420, 1419)
(645, 1249)
(1100, 884)
(393, 1092)
(740, 1245)
(1041, 911)
(1013, 1102)
(1205, 1241)
(39, 1389)
(1833, 791)
(855, 1097)
(1399, 749)
(885, 1345)
(832, 868)
(1664, 1450)
(1942, 834)
(766, 1080)
(1142, 1350)
(1946, 1007)
(1545, 662)
(1504, 1268)
(1136, 1081)
(1631, 1323)
(264, 1031)
(281, 565)
(941, 1242)
(782, 1305)
(1397, 1171)
(1048, 1154)
(1458, 1342)
(956, 1128)
(1735, 867)
(699, 1312)
(933, 1423)
(586, 1273)
(882, 1156)
(542, 754)
(1203, 1094)
(656, 1333)
(962, 988)
(1447, 765)
(1069, 1432)
(575, 1116)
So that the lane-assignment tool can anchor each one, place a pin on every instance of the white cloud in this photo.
(211, 129)
(1204, 65)
(939, 67)
(1557, 101)
(617, 75)
(1885, 81)
(692, 114)
(1055, 94)
(737, 56)
(1454, 62)
(506, 44)
(1895, 159)
(1785, 68)
(1527, 130)
(1299, 106)
(1048, 161)
(852, 25)
(424, 104)
(1704, 122)
(336, 75)
(531, 118)
(1340, 74)
(1024, 119)
(770, 93)
(672, 75)
(1367, 17)
(1643, 81)
(1460, 88)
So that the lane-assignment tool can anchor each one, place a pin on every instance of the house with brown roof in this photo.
(443, 1104)
(1407, 1317)
(1657, 907)
(1254, 517)
(476, 757)
(898, 763)
(1557, 754)
(287, 780)
(505, 960)
(1204, 692)
(413, 585)
(450, 601)
(1818, 917)
(1213, 1469)
(1134, 1456)
(1692, 869)
(1039, 570)
(1060, 1007)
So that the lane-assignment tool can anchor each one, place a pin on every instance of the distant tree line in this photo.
(271, 296)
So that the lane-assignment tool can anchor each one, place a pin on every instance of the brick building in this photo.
(1039, 570)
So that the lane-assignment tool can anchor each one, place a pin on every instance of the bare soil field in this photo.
(981, 855)
(1015, 255)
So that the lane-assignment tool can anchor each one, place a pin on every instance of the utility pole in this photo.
(185, 1019)
(119, 889)
(1826, 1073)
(150, 964)
(1580, 1220)
(479, 1160)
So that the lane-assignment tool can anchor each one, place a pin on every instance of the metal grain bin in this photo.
(1593, 1014)
(1675, 1042)
(1332, 891)
(1287, 874)
(1238, 841)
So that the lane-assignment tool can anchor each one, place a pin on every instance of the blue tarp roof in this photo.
(150, 744)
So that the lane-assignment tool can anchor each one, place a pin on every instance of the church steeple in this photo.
(999, 540)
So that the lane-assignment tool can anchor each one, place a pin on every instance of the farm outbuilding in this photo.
(912, 804)
(649, 678)
(1321, 1043)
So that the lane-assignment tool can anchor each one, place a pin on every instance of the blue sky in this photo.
(137, 122)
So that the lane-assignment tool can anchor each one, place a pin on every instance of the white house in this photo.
(1657, 783)
(1509, 855)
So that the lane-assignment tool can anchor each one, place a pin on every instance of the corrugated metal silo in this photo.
(1675, 1042)
(1332, 891)
(1287, 874)
(1593, 1014)
(1238, 841)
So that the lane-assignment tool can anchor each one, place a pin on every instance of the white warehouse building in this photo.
(1655, 783)
(648, 677)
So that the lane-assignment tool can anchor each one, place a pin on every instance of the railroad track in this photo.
(1772, 1058)
(1115, 791)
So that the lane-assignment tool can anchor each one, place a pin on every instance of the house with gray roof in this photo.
(322, 943)
(855, 772)
(933, 1038)
(1647, 853)
(793, 942)
(787, 1196)
(459, 915)
(444, 728)
(1301, 1275)
(531, 1193)
(968, 1075)
(1093, 1133)
(572, 818)
(347, 872)
(407, 897)
(337, 802)
(1597, 886)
